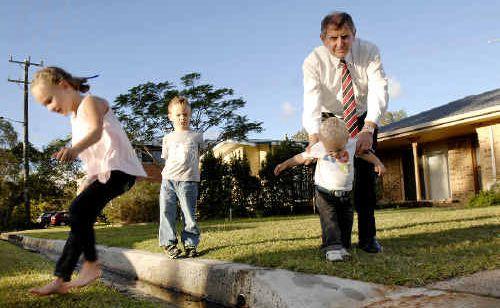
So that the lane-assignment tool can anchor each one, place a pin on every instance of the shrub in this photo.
(140, 204)
(485, 198)
(280, 194)
(245, 187)
(215, 188)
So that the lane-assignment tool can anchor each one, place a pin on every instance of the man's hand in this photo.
(66, 155)
(365, 142)
(380, 169)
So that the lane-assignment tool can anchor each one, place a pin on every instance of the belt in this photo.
(334, 193)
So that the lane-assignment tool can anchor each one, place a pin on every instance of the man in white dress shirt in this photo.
(323, 97)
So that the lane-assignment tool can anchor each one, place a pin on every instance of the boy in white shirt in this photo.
(333, 179)
(180, 179)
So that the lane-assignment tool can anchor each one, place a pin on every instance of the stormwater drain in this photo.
(143, 290)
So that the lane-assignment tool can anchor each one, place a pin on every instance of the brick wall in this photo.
(392, 186)
(485, 156)
(153, 171)
(460, 166)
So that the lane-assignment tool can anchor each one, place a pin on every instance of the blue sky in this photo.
(433, 51)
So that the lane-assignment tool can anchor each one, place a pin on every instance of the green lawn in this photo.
(21, 270)
(420, 245)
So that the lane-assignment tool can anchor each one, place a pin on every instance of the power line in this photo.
(26, 63)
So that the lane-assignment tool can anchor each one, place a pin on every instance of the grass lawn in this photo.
(21, 270)
(420, 245)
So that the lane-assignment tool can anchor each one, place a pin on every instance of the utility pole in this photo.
(26, 63)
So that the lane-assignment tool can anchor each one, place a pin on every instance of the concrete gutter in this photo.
(235, 284)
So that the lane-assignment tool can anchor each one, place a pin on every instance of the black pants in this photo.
(364, 192)
(83, 212)
(336, 216)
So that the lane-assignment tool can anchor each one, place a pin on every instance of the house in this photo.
(150, 157)
(255, 150)
(444, 154)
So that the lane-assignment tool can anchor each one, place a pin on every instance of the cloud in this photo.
(288, 109)
(395, 90)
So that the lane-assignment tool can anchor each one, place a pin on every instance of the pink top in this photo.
(112, 152)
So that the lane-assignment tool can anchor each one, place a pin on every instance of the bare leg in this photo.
(55, 287)
(90, 272)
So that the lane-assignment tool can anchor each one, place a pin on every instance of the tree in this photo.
(301, 135)
(215, 187)
(143, 110)
(392, 116)
(244, 187)
(279, 193)
(9, 165)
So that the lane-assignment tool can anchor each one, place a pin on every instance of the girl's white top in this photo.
(112, 152)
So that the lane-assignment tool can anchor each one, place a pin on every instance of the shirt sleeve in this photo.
(378, 95)
(311, 115)
(316, 151)
(164, 149)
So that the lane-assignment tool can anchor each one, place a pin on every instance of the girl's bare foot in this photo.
(55, 287)
(90, 272)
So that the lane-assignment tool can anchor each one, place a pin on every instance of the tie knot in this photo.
(342, 61)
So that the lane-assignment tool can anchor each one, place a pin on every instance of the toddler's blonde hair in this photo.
(180, 101)
(53, 75)
(333, 133)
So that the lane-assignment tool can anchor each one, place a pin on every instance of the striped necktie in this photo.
(349, 101)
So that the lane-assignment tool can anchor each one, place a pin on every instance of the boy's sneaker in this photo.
(191, 251)
(337, 255)
(172, 251)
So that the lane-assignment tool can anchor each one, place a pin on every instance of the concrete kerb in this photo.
(234, 284)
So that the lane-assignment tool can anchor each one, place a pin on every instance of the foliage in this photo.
(279, 193)
(139, 204)
(301, 136)
(245, 187)
(215, 187)
(143, 110)
(392, 116)
(485, 198)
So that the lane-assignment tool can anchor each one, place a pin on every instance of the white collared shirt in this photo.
(322, 84)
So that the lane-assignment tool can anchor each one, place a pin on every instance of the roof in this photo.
(461, 106)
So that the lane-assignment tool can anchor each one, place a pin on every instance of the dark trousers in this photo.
(364, 192)
(83, 213)
(336, 216)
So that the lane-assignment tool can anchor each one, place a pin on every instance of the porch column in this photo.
(414, 146)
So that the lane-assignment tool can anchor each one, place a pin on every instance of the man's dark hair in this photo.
(338, 20)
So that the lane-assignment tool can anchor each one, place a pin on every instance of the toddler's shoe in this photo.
(172, 251)
(337, 255)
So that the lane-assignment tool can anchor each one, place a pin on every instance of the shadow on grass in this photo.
(410, 260)
(271, 240)
(429, 223)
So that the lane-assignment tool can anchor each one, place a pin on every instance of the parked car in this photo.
(44, 219)
(60, 219)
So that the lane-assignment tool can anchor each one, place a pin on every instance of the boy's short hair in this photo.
(178, 100)
(333, 131)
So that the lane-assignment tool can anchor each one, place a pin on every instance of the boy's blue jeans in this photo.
(186, 192)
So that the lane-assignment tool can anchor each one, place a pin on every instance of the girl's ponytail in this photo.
(54, 75)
